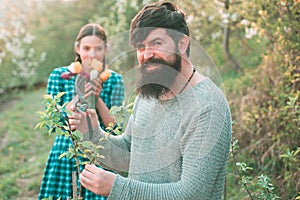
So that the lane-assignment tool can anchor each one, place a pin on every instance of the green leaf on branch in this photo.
(87, 144)
(77, 136)
(68, 154)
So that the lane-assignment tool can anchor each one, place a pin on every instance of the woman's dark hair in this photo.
(87, 30)
(159, 15)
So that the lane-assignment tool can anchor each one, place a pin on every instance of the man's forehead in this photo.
(146, 34)
(158, 33)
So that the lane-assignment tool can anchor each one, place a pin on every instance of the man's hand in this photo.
(97, 180)
(78, 119)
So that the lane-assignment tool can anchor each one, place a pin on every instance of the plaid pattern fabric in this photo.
(57, 179)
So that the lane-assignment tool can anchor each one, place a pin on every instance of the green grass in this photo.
(23, 150)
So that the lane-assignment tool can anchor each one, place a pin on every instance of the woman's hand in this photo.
(78, 119)
(97, 180)
(94, 88)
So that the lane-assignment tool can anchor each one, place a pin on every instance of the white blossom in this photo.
(28, 38)
(250, 32)
(245, 22)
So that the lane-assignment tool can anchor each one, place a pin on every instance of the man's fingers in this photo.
(89, 173)
(74, 121)
(73, 127)
(76, 117)
(91, 168)
(92, 113)
(70, 105)
(85, 181)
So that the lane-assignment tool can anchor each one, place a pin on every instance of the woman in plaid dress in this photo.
(91, 43)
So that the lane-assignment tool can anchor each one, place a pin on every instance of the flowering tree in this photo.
(18, 59)
(15, 48)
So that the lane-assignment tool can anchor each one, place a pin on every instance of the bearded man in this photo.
(176, 143)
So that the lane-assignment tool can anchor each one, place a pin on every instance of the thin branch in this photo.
(75, 156)
(239, 173)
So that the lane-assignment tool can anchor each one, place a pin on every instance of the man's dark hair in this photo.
(159, 15)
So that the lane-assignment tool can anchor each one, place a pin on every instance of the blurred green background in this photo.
(254, 44)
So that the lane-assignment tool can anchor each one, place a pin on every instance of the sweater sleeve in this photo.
(204, 150)
(116, 149)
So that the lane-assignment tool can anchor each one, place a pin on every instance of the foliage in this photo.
(259, 188)
(218, 27)
(56, 26)
(116, 23)
(121, 114)
(18, 58)
(265, 101)
(21, 56)
(264, 40)
(55, 119)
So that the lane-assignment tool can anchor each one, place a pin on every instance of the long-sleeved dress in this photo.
(173, 149)
(57, 179)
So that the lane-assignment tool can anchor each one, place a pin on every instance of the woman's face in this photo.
(91, 47)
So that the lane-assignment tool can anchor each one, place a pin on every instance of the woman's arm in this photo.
(104, 114)
(114, 87)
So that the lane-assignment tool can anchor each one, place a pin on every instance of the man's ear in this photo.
(183, 44)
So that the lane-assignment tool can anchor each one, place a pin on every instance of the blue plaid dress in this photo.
(57, 179)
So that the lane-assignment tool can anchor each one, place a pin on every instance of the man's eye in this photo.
(139, 46)
(156, 43)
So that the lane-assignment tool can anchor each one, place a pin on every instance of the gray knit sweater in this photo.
(175, 149)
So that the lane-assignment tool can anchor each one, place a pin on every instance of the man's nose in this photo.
(148, 53)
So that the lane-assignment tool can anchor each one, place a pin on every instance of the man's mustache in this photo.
(153, 62)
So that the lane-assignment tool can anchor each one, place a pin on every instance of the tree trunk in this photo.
(228, 55)
(226, 36)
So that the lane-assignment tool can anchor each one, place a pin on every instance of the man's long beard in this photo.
(156, 83)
